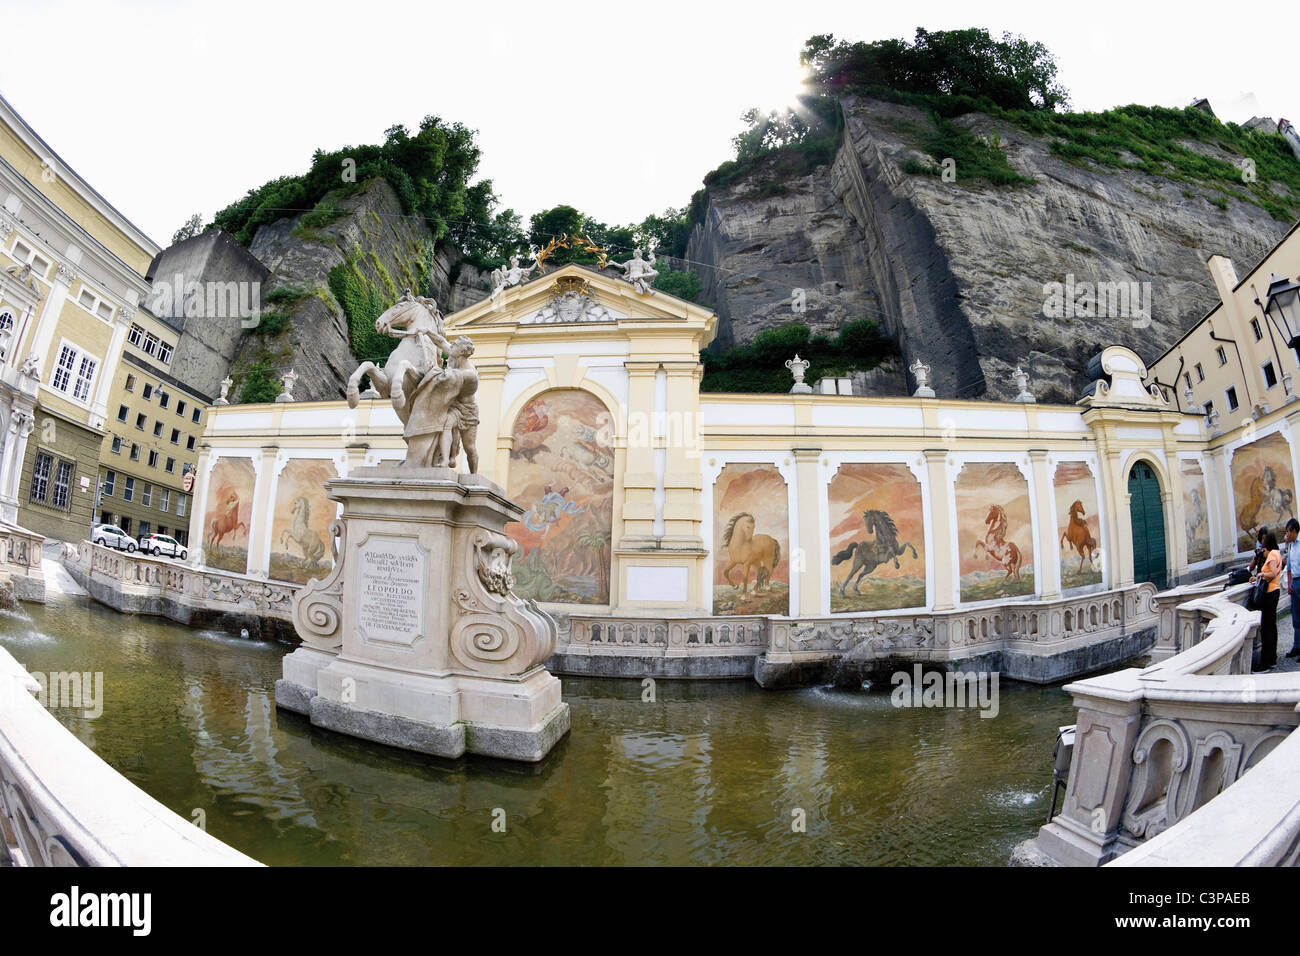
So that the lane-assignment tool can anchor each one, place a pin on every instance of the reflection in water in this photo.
(710, 773)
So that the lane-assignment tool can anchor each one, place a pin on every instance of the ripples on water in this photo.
(713, 772)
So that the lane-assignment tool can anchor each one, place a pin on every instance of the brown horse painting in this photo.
(1005, 552)
(1077, 536)
(225, 521)
(749, 551)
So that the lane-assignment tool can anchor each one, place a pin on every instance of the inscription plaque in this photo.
(390, 583)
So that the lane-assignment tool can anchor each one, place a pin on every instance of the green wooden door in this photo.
(1147, 514)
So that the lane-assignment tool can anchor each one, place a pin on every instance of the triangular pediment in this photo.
(577, 295)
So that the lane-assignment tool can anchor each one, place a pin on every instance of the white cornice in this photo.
(37, 204)
(42, 150)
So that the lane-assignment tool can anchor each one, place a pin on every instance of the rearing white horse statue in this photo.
(418, 323)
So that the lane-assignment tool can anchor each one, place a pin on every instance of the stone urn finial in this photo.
(798, 368)
(225, 391)
(1192, 407)
(288, 378)
(1021, 378)
(1291, 396)
(1212, 419)
(921, 372)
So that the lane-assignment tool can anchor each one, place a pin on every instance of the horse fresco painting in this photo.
(562, 474)
(1195, 511)
(877, 538)
(300, 525)
(1263, 488)
(994, 531)
(1078, 532)
(751, 547)
(229, 510)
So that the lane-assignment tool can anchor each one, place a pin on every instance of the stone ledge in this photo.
(294, 697)
(388, 729)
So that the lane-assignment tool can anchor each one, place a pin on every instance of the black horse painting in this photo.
(869, 554)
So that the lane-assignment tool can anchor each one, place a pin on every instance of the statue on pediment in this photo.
(640, 272)
(504, 278)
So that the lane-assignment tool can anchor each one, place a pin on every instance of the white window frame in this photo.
(11, 326)
(1230, 396)
(93, 309)
(75, 380)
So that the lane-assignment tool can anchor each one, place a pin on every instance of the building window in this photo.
(170, 467)
(110, 479)
(1223, 356)
(195, 417)
(176, 436)
(122, 412)
(144, 527)
(1232, 398)
(150, 346)
(141, 420)
(6, 322)
(180, 505)
(1200, 373)
(135, 452)
(153, 459)
(74, 369)
(164, 499)
(164, 353)
(136, 335)
(148, 391)
(148, 494)
(117, 444)
(1187, 377)
(130, 383)
(62, 484)
(189, 443)
(125, 525)
(157, 429)
(1209, 407)
(128, 492)
(1254, 327)
(164, 399)
(180, 407)
(182, 537)
(1270, 376)
(41, 477)
(95, 305)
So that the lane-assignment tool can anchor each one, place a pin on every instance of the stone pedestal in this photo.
(415, 639)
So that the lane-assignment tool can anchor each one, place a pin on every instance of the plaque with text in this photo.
(390, 590)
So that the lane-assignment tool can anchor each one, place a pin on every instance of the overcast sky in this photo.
(170, 108)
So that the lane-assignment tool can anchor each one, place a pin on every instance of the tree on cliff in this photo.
(1012, 73)
(430, 171)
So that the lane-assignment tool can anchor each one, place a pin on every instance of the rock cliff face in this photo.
(381, 248)
(959, 272)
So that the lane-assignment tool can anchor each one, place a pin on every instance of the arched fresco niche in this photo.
(1195, 511)
(300, 528)
(751, 541)
(562, 474)
(1078, 528)
(229, 513)
(877, 538)
(994, 531)
(1263, 488)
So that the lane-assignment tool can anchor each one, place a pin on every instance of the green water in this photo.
(710, 773)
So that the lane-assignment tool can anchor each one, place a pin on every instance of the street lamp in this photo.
(1282, 305)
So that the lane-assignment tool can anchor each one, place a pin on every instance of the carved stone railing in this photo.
(1025, 634)
(1154, 746)
(20, 558)
(140, 583)
(61, 805)
(703, 635)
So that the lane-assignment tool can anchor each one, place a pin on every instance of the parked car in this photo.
(162, 544)
(112, 536)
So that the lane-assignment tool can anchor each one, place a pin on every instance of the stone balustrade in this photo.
(1038, 641)
(20, 560)
(136, 583)
(1155, 746)
(61, 805)
(659, 647)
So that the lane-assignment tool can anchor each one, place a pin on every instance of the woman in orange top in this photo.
(1271, 571)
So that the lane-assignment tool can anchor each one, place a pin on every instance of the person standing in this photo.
(1270, 571)
(1291, 556)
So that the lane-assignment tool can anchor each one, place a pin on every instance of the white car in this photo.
(112, 536)
(162, 544)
